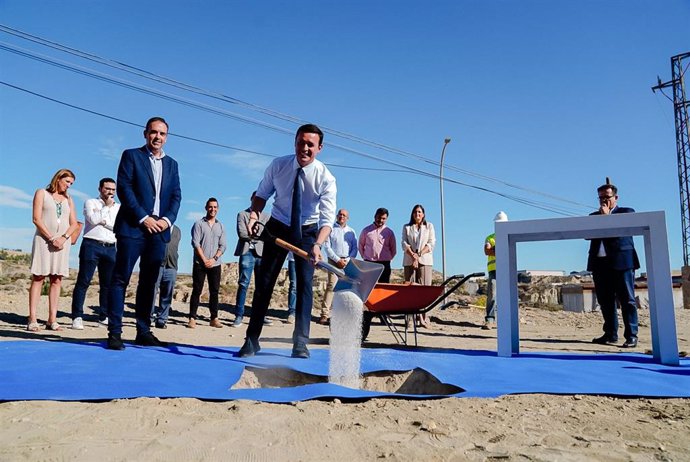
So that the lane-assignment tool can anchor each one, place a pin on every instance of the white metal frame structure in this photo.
(650, 225)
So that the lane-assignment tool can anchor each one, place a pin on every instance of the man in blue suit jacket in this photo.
(148, 186)
(613, 262)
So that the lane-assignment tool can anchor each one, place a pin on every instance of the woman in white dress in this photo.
(55, 219)
(418, 241)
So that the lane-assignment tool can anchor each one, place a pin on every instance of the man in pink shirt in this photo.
(377, 243)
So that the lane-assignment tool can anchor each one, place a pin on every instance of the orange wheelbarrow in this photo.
(408, 299)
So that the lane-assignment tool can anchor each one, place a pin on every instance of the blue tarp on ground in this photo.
(64, 371)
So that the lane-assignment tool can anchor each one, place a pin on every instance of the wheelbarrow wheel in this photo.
(367, 316)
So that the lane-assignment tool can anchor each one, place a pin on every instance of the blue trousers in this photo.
(165, 285)
(93, 254)
(292, 289)
(249, 263)
(150, 251)
(611, 286)
(271, 263)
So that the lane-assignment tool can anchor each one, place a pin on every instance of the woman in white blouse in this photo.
(418, 241)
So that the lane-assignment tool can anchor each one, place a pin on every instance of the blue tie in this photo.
(296, 212)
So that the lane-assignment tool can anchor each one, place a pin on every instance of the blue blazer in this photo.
(620, 251)
(137, 192)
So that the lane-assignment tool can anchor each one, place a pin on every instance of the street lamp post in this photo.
(443, 212)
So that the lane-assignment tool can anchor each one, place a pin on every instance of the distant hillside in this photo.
(541, 291)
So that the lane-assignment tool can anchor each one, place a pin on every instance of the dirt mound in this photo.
(413, 382)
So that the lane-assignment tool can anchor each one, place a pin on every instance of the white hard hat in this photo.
(501, 216)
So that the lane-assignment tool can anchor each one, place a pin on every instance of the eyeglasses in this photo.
(605, 198)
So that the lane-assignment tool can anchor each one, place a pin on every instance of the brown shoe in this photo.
(215, 323)
(323, 320)
(191, 324)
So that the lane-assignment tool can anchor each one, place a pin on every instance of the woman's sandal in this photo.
(33, 327)
(53, 326)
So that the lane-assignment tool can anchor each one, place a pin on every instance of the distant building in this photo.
(542, 272)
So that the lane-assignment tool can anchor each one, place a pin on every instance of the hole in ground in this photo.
(413, 382)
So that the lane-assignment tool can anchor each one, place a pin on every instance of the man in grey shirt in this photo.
(208, 241)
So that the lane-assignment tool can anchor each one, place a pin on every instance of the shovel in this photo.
(358, 276)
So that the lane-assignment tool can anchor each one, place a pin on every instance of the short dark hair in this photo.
(604, 187)
(104, 181)
(417, 206)
(156, 119)
(209, 200)
(310, 128)
(381, 211)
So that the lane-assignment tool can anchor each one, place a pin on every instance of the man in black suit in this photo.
(148, 186)
(613, 262)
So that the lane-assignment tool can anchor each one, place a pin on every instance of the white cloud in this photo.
(194, 216)
(13, 197)
(17, 238)
(247, 164)
(79, 194)
(112, 148)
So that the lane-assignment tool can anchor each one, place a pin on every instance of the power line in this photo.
(532, 203)
(266, 111)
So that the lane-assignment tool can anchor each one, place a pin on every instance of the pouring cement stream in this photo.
(346, 339)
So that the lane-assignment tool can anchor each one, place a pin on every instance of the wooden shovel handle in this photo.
(301, 253)
(294, 249)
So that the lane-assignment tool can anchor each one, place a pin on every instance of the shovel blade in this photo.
(360, 278)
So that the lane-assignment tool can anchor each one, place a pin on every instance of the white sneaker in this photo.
(103, 322)
(77, 324)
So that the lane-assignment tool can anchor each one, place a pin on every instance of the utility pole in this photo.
(680, 111)
(443, 211)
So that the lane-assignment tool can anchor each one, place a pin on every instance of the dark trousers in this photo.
(150, 250)
(271, 263)
(367, 316)
(611, 285)
(386, 275)
(199, 274)
(93, 254)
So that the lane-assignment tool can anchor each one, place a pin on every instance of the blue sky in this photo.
(548, 96)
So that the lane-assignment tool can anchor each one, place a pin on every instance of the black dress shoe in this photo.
(249, 349)
(161, 325)
(630, 343)
(300, 351)
(604, 340)
(148, 339)
(115, 342)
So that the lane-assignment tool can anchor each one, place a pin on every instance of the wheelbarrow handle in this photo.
(302, 254)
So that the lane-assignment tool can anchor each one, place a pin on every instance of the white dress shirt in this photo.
(100, 220)
(318, 195)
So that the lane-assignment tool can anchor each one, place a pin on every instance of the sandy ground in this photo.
(522, 427)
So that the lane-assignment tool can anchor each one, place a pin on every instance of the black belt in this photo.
(101, 243)
(304, 227)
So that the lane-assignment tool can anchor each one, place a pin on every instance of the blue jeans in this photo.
(164, 286)
(248, 264)
(292, 291)
(93, 254)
